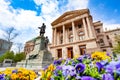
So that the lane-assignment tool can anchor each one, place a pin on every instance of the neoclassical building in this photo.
(74, 32)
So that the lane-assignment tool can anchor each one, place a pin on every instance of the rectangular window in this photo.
(107, 37)
(110, 44)
(82, 49)
(70, 29)
(82, 37)
(61, 41)
(59, 53)
(104, 50)
(102, 42)
(71, 39)
(61, 31)
(98, 30)
(79, 26)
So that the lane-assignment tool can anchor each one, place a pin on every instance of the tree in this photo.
(2, 57)
(116, 48)
(7, 55)
(10, 34)
(20, 56)
(20, 47)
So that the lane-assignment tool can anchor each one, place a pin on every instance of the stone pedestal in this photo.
(43, 58)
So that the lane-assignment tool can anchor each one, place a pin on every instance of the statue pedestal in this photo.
(43, 58)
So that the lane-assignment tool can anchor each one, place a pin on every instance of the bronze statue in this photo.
(42, 29)
(46, 41)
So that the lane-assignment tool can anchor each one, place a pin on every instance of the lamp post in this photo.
(26, 63)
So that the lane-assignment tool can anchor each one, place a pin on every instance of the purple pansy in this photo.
(78, 77)
(57, 69)
(117, 64)
(68, 70)
(80, 67)
(99, 66)
(107, 77)
(118, 71)
(15, 71)
(57, 62)
(80, 59)
(87, 78)
(2, 77)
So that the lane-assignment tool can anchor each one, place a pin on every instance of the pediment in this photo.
(69, 15)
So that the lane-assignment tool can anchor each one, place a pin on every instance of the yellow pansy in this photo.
(100, 56)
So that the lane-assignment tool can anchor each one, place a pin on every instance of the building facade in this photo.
(4, 46)
(75, 33)
(29, 46)
(110, 34)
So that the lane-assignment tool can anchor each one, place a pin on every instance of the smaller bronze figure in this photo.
(46, 41)
(34, 56)
(42, 29)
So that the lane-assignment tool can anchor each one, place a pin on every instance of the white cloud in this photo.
(23, 20)
(110, 26)
(1, 33)
(77, 4)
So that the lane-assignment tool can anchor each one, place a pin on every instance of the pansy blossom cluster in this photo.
(17, 74)
(85, 67)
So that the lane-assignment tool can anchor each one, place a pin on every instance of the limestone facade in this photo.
(29, 46)
(110, 34)
(75, 33)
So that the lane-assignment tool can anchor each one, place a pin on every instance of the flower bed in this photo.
(17, 74)
(98, 66)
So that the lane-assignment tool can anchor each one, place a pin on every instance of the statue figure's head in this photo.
(43, 24)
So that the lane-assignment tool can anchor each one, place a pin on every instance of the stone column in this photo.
(73, 30)
(89, 28)
(85, 28)
(56, 54)
(64, 34)
(58, 38)
(64, 53)
(55, 37)
(77, 36)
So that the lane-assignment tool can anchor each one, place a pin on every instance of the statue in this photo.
(42, 29)
(40, 57)
(46, 41)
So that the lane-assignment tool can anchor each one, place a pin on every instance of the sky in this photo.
(27, 15)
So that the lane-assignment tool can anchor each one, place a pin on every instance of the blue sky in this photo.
(27, 15)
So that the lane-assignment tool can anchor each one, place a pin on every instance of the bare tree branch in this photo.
(10, 34)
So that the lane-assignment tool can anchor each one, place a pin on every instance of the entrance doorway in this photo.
(59, 51)
(70, 52)
(82, 49)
